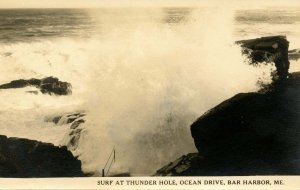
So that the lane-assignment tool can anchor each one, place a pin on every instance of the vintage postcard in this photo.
(141, 94)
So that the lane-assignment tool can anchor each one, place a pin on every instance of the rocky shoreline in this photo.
(249, 134)
(25, 158)
(21, 157)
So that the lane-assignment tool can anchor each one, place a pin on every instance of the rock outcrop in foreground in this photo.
(48, 85)
(248, 134)
(251, 133)
(28, 158)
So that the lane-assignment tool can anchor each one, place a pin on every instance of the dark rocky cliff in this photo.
(258, 132)
(28, 158)
(248, 134)
(254, 133)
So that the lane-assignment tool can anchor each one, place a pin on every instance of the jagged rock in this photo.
(179, 166)
(268, 49)
(70, 118)
(75, 124)
(252, 133)
(48, 85)
(53, 85)
(71, 139)
(28, 158)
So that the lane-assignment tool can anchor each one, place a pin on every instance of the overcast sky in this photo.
(103, 3)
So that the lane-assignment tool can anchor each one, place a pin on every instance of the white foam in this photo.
(141, 85)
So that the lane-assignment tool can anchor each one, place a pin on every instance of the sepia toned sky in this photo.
(116, 3)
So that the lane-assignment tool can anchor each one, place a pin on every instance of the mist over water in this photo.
(142, 76)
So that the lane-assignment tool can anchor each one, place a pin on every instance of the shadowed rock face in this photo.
(48, 85)
(248, 134)
(252, 133)
(28, 158)
(268, 49)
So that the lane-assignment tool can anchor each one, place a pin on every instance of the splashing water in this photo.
(141, 82)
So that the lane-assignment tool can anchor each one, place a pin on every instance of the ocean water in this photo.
(27, 25)
(270, 21)
(142, 75)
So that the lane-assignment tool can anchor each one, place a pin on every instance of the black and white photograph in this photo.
(102, 88)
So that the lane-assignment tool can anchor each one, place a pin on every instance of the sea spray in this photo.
(151, 82)
(141, 81)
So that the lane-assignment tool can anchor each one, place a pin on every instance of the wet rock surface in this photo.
(28, 158)
(75, 121)
(48, 85)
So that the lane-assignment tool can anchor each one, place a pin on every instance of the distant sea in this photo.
(270, 21)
